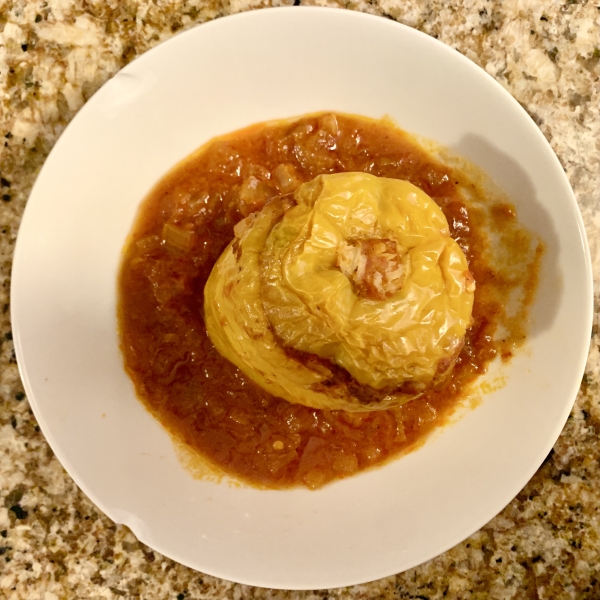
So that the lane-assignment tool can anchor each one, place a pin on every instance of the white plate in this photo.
(216, 78)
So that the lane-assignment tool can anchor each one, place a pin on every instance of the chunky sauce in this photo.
(188, 220)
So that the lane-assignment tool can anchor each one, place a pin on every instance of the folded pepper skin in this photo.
(277, 294)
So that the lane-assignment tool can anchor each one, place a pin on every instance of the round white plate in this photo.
(214, 79)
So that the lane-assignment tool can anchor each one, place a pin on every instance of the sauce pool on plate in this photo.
(187, 221)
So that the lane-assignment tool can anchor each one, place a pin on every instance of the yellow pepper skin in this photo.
(285, 284)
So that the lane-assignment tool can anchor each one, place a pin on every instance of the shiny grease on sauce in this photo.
(206, 402)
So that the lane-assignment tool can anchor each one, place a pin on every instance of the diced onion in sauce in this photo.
(287, 178)
(147, 244)
(177, 239)
(330, 124)
(253, 195)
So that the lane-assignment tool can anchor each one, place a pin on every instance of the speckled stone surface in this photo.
(54, 543)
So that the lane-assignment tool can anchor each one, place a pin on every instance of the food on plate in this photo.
(304, 299)
(355, 269)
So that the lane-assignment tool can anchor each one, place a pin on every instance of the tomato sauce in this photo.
(209, 404)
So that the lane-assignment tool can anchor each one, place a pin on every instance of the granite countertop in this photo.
(54, 543)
